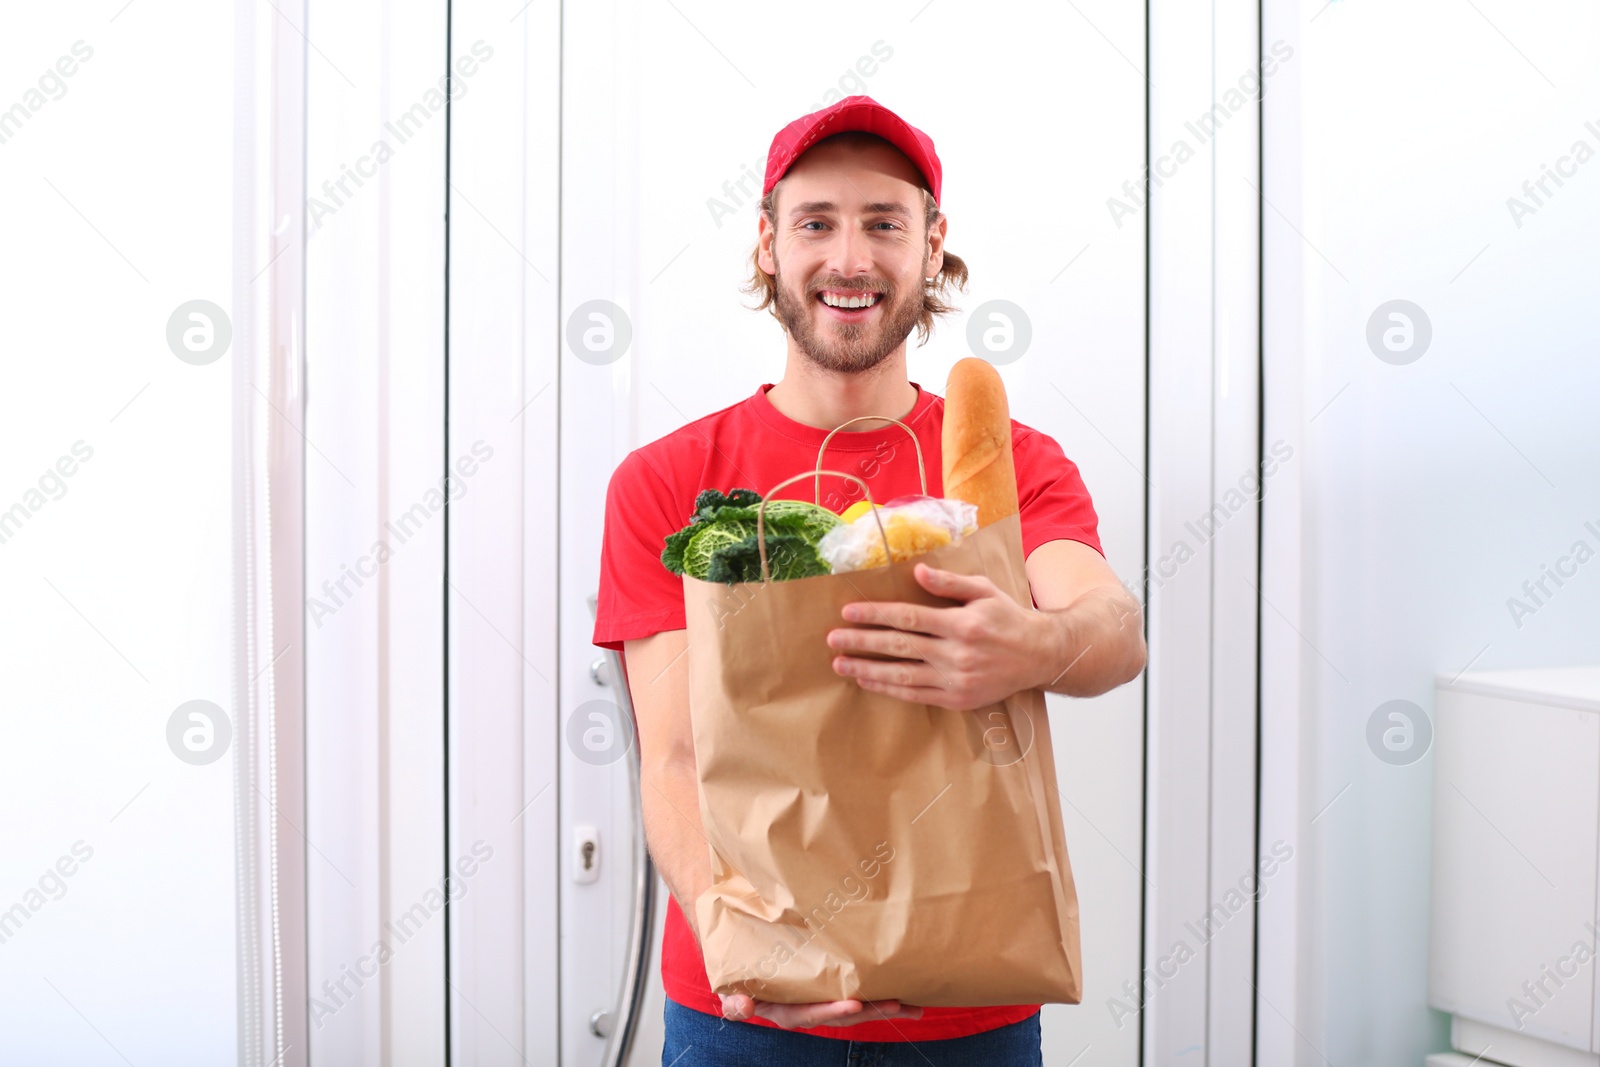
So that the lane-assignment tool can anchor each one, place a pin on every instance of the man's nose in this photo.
(851, 253)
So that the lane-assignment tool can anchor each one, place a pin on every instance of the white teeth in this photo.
(852, 302)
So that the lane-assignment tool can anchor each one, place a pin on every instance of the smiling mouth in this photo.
(869, 301)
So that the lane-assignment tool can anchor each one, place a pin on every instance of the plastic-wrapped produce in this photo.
(911, 525)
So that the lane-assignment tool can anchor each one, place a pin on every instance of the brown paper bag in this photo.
(863, 846)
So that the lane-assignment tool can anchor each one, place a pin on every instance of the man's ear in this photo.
(936, 246)
(765, 235)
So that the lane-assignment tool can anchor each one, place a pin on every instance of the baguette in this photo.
(976, 441)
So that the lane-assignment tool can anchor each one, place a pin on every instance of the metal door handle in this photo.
(624, 1020)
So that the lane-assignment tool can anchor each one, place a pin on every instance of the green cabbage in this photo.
(797, 516)
(719, 543)
(708, 539)
(788, 556)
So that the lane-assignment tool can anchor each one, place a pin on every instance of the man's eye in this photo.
(819, 222)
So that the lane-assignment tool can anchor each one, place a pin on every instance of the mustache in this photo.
(847, 288)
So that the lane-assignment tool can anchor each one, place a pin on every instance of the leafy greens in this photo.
(719, 543)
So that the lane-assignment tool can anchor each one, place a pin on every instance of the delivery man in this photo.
(849, 258)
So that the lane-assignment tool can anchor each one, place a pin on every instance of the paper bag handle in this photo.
(761, 512)
(922, 470)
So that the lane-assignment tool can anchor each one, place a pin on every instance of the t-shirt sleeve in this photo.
(1054, 502)
(638, 596)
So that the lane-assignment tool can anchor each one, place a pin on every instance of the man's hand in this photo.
(827, 1013)
(964, 657)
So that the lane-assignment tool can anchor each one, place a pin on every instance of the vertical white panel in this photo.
(536, 45)
(1207, 474)
(375, 534)
(1179, 608)
(411, 324)
(269, 548)
(607, 64)
(501, 666)
(1241, 866)
(1285, 955)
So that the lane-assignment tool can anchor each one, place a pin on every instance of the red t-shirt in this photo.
(751, 445)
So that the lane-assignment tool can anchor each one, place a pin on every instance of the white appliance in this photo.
(1515, 889)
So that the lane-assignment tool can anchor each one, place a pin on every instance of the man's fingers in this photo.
(921, 618)
(879, 1010)
(835, 1013)
(830, 1014)
(884, 642)
(737, 1006)
(805, 1016)
(913, 618)
(896, 674)
(892, 1009)
(949, 584)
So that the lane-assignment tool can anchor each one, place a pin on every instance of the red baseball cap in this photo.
(853, 113)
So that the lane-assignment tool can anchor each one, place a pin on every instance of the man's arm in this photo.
(658, 681)
(1099, 629)
(1084, 639)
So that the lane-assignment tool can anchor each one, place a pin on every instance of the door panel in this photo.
(658, 216)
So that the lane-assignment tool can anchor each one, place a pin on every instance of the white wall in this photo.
(1422, 495)
(117, 586)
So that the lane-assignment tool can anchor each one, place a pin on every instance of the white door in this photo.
(658, 217)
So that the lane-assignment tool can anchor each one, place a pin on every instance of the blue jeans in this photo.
(695, 1039)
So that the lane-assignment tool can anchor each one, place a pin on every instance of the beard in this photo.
(848, 347)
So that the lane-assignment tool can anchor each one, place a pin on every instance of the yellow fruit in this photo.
(855, 511)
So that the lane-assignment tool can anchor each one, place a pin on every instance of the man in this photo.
(849, 214)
